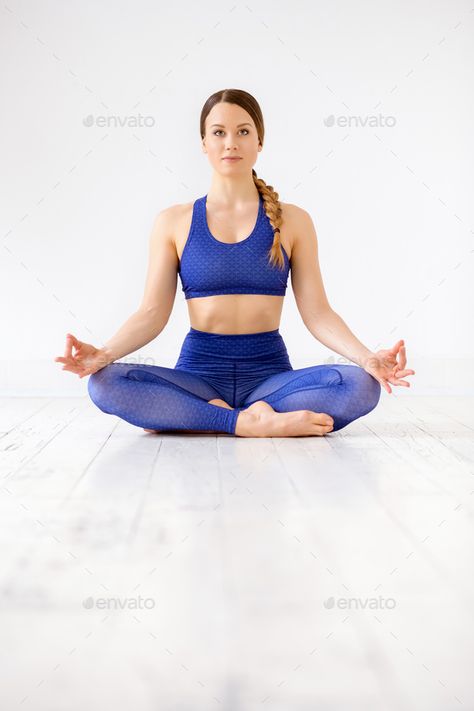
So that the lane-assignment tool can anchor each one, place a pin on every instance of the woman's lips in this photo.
(233, 158)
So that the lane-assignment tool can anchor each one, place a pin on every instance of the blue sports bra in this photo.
(209, 266)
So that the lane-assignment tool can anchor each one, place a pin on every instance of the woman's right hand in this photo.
(86, 360)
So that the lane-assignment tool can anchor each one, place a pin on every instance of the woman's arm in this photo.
(160, 290)
(138, 330)
(323, 322)
(311, 299)
(334, 333)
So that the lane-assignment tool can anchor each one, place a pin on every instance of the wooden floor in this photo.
(204, 572)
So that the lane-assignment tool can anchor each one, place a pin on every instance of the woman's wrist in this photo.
(367, 359)
(107, 355)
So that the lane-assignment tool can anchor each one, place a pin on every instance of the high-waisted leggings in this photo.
(237, 368)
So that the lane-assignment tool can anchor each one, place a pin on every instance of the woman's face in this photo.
(230, 131)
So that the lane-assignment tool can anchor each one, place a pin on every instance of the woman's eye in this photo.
(219, 130)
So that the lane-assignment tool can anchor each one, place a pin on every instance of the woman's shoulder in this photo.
(178, 218)
(292, 211)
(177, 211)
(293, 222)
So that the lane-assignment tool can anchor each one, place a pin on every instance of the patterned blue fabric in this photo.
(209, 266)
(237, 368)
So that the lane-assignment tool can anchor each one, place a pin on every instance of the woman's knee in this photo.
(100, 385)
(367, 388)
(364, 388)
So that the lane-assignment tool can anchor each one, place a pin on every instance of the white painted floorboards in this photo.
(292, 574)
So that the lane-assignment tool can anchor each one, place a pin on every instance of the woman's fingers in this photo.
(403, 357)
(397, 376)
(73, 369)
(398, 370)
(67, 361)
(396, 381)
(384, 384)
(70, 342)
(396, 347)
(70, 362)
(397, 354)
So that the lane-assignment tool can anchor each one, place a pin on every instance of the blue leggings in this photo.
(237, 368)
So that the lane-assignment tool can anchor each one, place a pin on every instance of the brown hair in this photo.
(269, 195)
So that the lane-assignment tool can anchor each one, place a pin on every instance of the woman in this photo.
(233, 374)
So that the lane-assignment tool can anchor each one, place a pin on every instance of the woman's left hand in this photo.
(385, 368)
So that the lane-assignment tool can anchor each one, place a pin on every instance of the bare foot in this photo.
(220, 403)
(261, 420)
(216, 401)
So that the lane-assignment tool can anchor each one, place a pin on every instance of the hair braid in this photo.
(273, 210)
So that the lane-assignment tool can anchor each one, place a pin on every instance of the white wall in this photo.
(392, 205)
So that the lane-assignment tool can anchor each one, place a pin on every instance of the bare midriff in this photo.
(230, 313)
